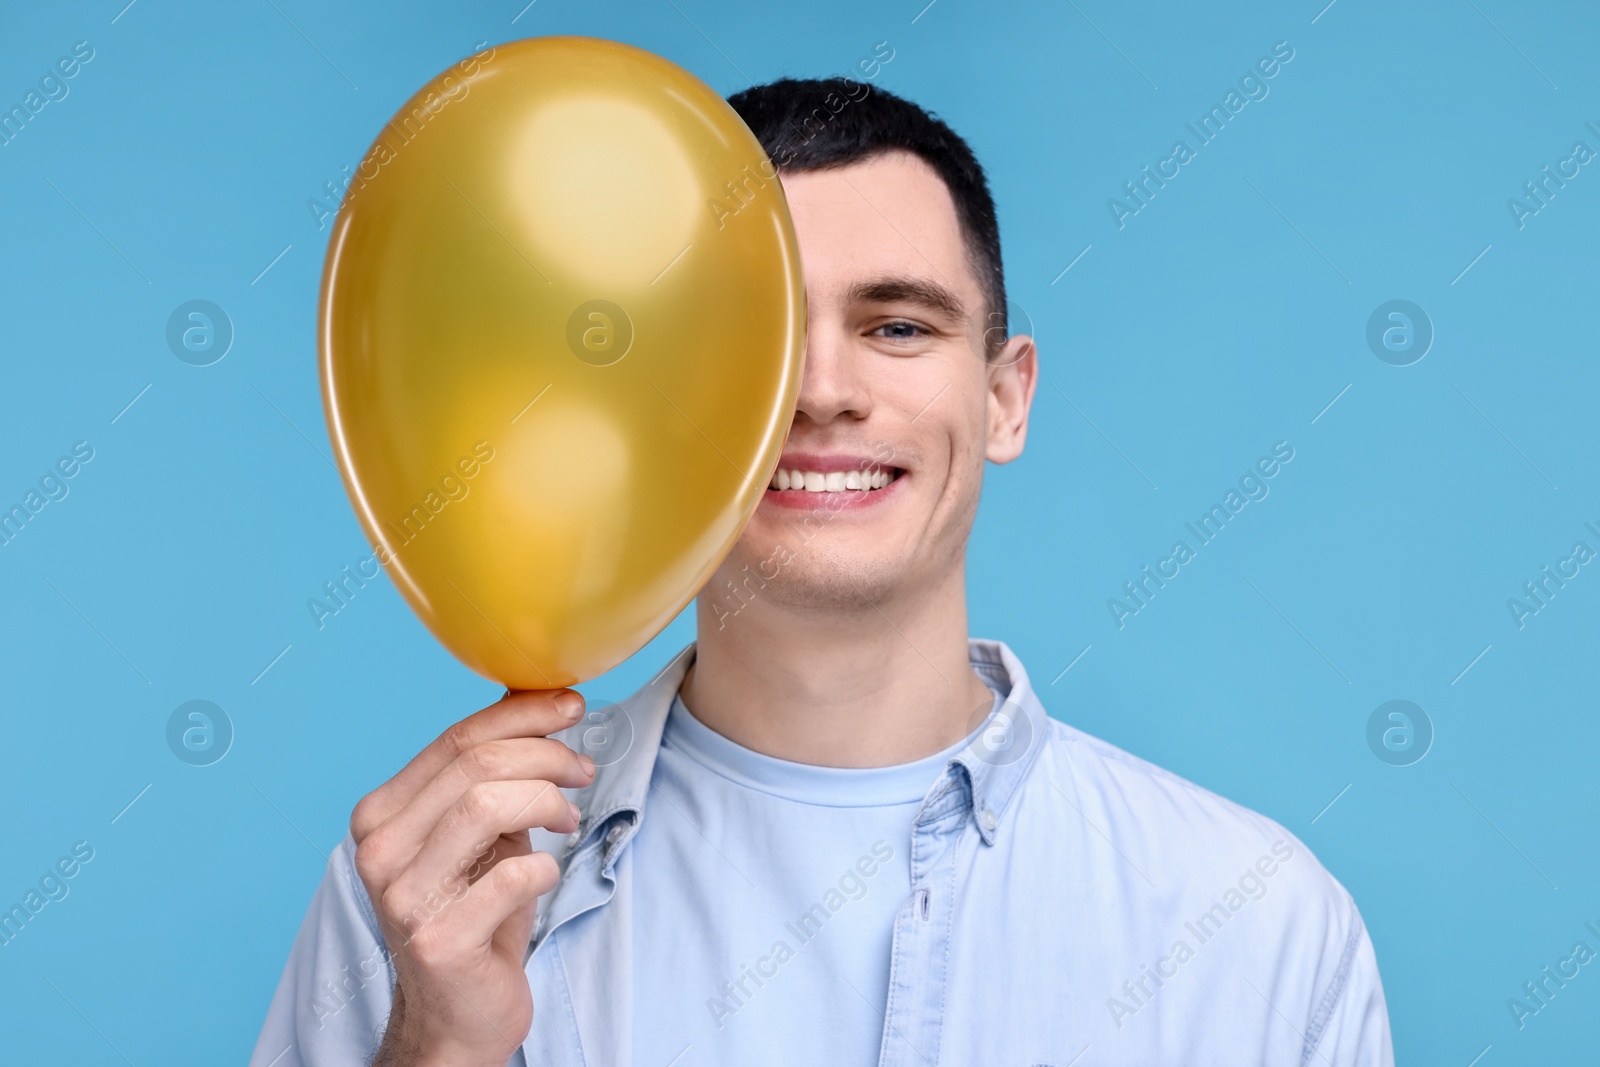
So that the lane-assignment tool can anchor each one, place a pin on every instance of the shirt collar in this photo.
(624, 739)
(999, 758)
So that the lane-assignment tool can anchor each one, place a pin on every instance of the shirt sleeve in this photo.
(332, 1003)
(1354, 1028)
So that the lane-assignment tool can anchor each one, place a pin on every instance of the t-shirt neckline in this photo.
(805, 783)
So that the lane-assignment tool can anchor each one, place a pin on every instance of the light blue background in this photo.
(1221, 319)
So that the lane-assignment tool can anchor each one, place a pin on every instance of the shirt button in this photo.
(988, 820)
(615, 834)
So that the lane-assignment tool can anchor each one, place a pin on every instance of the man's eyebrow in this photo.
(898, 289)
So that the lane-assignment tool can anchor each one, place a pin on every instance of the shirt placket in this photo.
(914, 1014)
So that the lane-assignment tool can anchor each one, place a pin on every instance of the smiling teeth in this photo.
(831, 482)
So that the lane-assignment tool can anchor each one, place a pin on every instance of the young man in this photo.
(835, 830)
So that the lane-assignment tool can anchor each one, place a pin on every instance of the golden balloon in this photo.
(560, 335)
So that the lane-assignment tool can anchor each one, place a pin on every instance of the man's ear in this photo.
(1013, 374)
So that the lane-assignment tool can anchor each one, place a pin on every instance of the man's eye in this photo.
(900, 331)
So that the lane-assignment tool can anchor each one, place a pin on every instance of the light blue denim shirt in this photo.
(1071, 906)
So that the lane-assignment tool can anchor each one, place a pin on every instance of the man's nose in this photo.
(833, 382)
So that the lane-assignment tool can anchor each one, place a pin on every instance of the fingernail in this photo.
(577, 816)
(586, 763)
(570, 705)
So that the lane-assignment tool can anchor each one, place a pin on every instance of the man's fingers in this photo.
(499, 908)
(388, 849)
(477, 818)
(529, 713)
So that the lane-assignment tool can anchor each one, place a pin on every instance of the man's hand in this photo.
(444, 851)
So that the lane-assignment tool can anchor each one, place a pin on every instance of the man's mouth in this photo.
(874, 477)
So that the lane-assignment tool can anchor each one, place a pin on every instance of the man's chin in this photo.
(810, 580)
(836, 593)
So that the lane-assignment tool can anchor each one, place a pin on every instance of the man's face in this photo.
(896, 389)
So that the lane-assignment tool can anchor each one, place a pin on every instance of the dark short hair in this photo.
(816, 124)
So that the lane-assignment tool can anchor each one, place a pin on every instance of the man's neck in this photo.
(870, 688)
